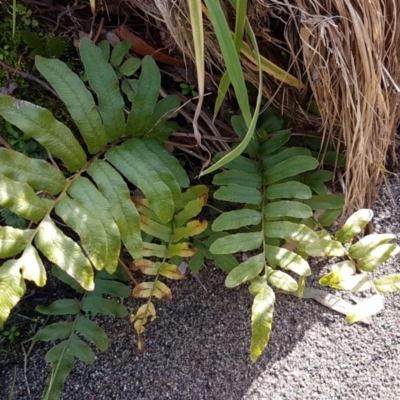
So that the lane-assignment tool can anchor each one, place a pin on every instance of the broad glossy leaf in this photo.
(191, 210)
(281, 280)
(286, 259)
(245, 271)
(77, 98)
(126, 216)
(22, 200)
(340, 272)
(64, 252)
(104, 82)
(143, 169)
(287, 208)
(91, 331)
(236, 219)
(237, 242)
(60, 307)
(261, 321)
(354, 284)
(13, 240)
(12, 288)
(291, 167)
(378, 256)
(288, 190)
(96, 305)
(290, 231)
(56, 331)
(145, 99)
(326, 202)
(388, 283)
(371, 306)
(237, 177)
(238, 194)
(191, 229)
(354, 225)
(32, 267)
(40, 124)
(107, 250)
(365, 245)
(38, 174)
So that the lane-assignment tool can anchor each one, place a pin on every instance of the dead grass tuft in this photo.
(347, 53)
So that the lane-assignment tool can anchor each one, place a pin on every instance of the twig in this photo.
(26, 355)
(5, 143)
(126, 268)
(27, 75)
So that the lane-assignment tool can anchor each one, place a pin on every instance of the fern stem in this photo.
(127, 270)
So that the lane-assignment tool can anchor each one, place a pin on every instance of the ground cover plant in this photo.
(111, 204)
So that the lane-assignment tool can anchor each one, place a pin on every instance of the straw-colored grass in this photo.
(348, 55)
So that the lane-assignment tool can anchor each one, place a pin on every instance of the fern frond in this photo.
(78, 100)
(92, 198)
(279, 205)
(63, 355)
(180, 227)
(103, 80)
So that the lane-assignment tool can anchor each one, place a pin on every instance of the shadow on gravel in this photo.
(198, 348)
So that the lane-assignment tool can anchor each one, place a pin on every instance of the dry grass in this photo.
(347, 52)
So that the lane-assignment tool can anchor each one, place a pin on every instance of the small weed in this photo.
(188, 88)
(25, 14)
(11, 334)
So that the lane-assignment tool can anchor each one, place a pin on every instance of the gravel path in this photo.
(198, 347)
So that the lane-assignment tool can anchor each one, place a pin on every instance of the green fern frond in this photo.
(70, 346)
(280, 190)
(91, 195)
(173, 236)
